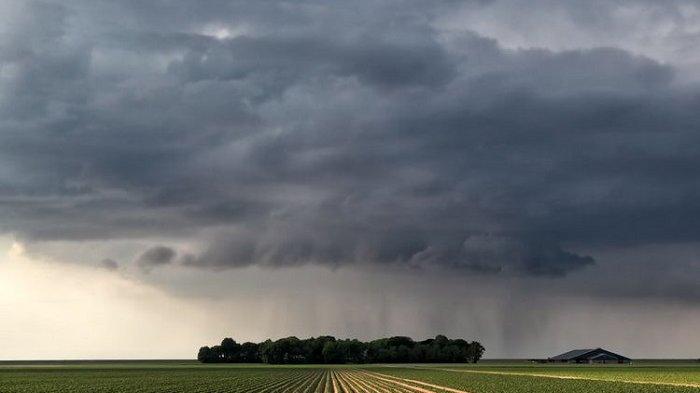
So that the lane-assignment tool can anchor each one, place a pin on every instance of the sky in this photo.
(522, 174)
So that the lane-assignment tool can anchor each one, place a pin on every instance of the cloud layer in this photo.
(285, 134)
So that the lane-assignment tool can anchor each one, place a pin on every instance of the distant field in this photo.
(489, 377)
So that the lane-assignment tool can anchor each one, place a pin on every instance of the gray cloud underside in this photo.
(330, 135)
(156, 256)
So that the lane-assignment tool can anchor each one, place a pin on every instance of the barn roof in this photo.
(579, 353)
(572, 354)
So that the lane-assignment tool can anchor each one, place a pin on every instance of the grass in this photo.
(540, 379)
(680, 373)
(489, 377)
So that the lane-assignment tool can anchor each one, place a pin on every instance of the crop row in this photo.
(155, 381)
(500, 383)
(365, 379)
(688, 374)
(361, 381)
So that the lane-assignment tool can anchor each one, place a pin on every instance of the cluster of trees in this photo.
(328, 349)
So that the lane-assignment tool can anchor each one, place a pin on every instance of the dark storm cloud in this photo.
(156, 256)
(308, 133)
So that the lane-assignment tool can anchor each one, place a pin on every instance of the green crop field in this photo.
(186, 376)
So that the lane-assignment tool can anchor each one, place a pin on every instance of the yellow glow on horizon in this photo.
(16, 250)
(55, 311)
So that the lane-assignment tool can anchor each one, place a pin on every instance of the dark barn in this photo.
(597, 355)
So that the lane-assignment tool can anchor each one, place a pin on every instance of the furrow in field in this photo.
(274, 387)
(306, 383)
(342, 382)
(296, 377)
(334, 381)
(344, 385)
(348, 385)
(293, 387)
(269, 387)
(405, 382)
(297, 387)
(402, 387)
(318, 381)
(263, 386)
(372, 387)
(390, 384)
(355, 384)
(359, 385)
(326, 388)
(361, 382)
(384, 386)
(313, 387)
(327, 384)
(679, 384)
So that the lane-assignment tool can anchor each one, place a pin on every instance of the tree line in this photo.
(329, 350)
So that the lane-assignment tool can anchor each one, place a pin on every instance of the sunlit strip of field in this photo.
(678, 374)
(492, 381)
